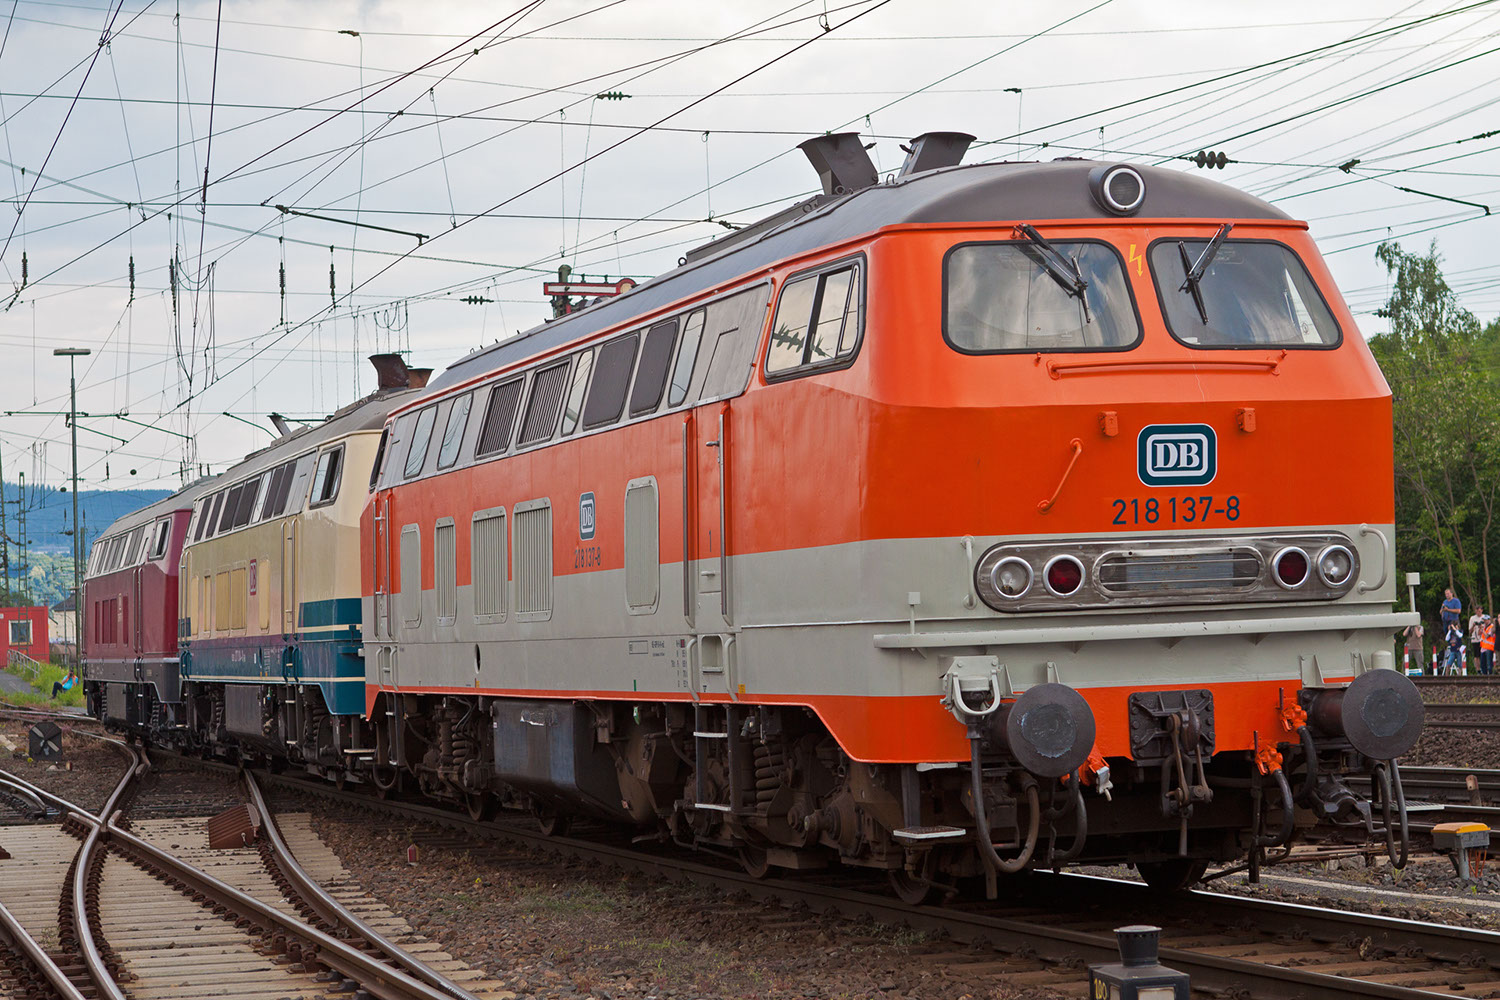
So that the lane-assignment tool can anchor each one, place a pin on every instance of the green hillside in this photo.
(48, 542)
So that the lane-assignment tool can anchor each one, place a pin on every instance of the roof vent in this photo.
(416, 378)
(932, 150)
(841, 162)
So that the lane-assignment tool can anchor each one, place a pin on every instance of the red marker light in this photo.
(1291, 568)
(1064, 575)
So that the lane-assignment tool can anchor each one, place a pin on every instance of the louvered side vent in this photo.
(499, 418)
(533, 559)
(445, 570)
(546, 397)
(411, 575)
(642, 548)
(487, 565)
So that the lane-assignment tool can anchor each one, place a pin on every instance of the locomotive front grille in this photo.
(1219, 570)
(1067, 575)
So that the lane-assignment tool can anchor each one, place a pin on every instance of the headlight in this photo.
(1011, 577)
(1335, 563)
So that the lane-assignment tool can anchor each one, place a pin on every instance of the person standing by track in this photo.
(1414, 649)
(1487, 646)
(1451, 609)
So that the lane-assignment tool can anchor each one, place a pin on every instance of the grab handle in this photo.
(1385, 558)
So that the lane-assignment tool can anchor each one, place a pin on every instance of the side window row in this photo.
(126, 549)
(272, 493)
(590, 389)
(705, 353)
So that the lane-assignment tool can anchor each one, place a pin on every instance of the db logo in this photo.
(586, 516)
(1177, 455)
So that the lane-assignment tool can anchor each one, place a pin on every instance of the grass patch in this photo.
(41, 693)
(574, 899)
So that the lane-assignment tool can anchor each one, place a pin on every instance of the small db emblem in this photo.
(1177, 455)
(586, 516)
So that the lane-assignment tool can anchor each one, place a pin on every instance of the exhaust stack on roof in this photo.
(390, 371)
(416, 378)
(841, 162)
(932, 150)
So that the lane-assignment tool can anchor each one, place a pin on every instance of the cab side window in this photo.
(818, 321)
(417, 454)
(326, 478)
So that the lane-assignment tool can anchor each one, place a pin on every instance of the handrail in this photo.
(1385, 558)
(16, 658)
(1057, 369)
(1077, 448)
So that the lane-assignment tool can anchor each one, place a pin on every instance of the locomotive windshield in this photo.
(1251, 294)
(1002, 297)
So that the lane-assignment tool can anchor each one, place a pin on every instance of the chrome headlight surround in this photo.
(1157, 571)
(1333, 550)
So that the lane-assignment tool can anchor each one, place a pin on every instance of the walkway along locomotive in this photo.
(986, 517)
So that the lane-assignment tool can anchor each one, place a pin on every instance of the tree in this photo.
(1437, 359)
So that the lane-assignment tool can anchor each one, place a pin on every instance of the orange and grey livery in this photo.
(983, 517)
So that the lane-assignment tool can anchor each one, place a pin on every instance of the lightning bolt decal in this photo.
(1136, 259)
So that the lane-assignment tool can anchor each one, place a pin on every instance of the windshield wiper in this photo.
(1061, 268)
(1195, 271)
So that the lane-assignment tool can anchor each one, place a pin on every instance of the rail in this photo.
(89, 857)
(1461, 716)
(1041, 937)
(330, 909)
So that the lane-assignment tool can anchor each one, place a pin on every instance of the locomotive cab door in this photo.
(380, 564)
(288, 577)
(383, 612)
(707, 579)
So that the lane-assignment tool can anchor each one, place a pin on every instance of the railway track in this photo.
(157, 926)
(1467, 681)
(1480, 715)
(1229, 945)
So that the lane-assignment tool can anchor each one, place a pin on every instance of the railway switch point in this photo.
(1465, 844)
(1138, 976)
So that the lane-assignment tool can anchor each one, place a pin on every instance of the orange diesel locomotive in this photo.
(986, 517)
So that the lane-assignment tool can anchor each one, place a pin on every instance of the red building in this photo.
(25, 631)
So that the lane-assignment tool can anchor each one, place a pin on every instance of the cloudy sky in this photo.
(452, 122)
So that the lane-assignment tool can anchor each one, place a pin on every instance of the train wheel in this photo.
(552, 823)
(1173, 875)
(480, 806)
(913, 890)
(386, 787)
(754, 861)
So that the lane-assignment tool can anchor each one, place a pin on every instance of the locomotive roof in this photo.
(183, 498)
(978, 193)
(366, 414)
